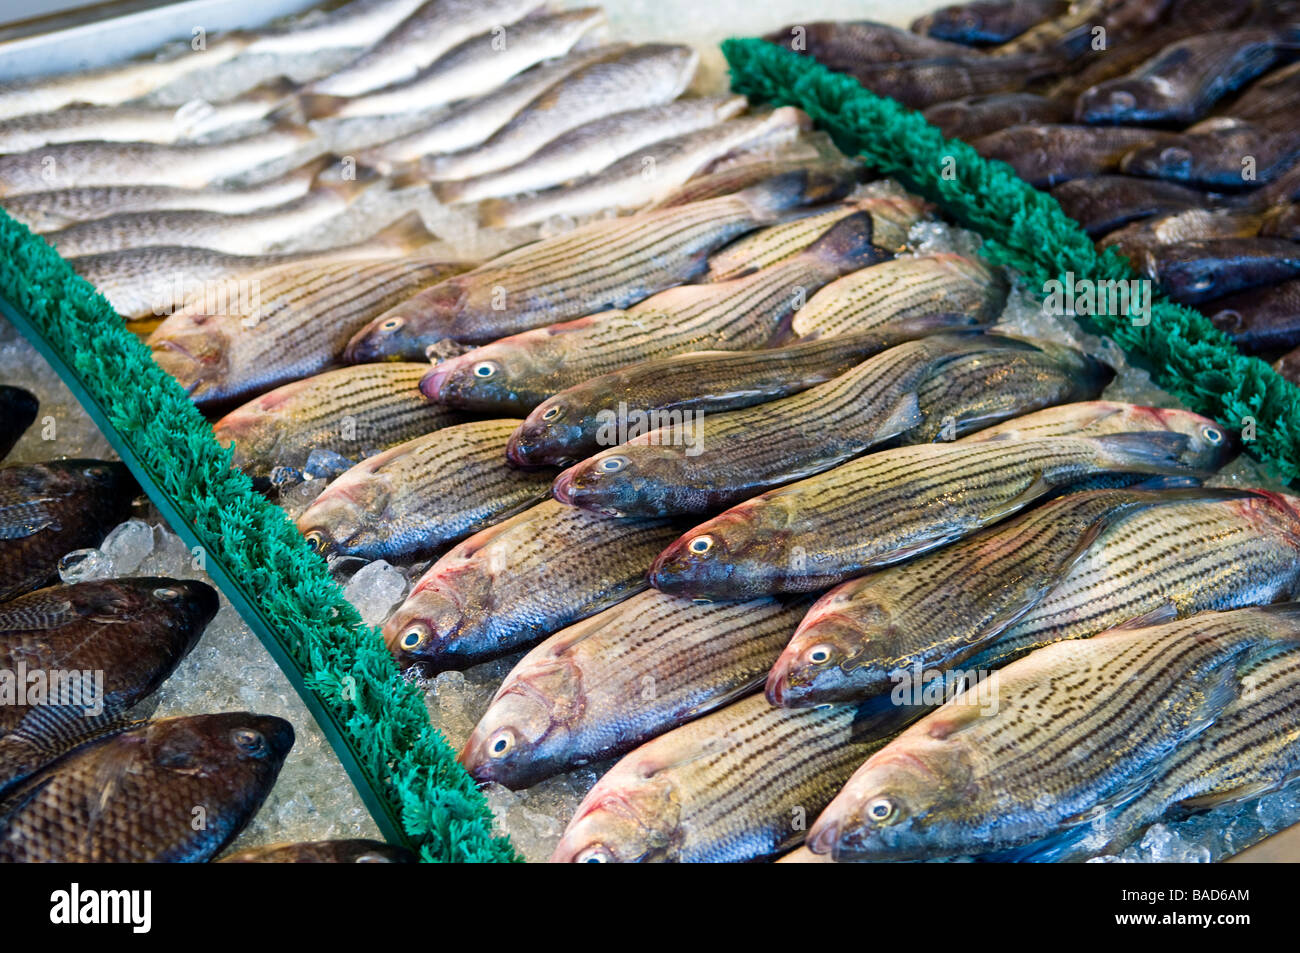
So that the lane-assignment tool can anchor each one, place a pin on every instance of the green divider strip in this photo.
(375, 719)
(1026, 229)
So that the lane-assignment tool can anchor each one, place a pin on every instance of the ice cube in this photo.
(374, 590)
(83, 565)
(128, 545)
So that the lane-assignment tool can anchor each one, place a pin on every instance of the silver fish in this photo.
(356, 23)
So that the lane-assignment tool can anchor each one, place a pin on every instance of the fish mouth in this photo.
(562, 489)
(432, 383)
(823, 837)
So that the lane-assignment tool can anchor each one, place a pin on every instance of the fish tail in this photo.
(408, 175)
(767, 200)
(846, 245)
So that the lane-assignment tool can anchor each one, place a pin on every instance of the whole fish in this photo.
(594, 145)
(1213, 155)
(113, 84)
(1196, 271)
(187, 165)
(740, 176)
(17, 412)
(606, 264)
(432, 29)
(1047, 155)
(892, 218)
(807, 535)
(516, 582)
(1103, 203)
(574, 423)
(702, 465)
(415, 498)
(1182, 82)
(977, 116)
(49, 509)
(132, 633)
(639, 178)
(987, 22)
(475, 67)
(732, 786)
(600, 688)
(647, 75)
(357, 23)
(905, 288)
(1260, 319)
(140, 123)
(869, 634)
(841, 45)
(353, 411)
(921, 83)
(1212, 444)
(131, 797)
(517, 373)
(983, 774)
(355, 851)
(1138, 240)
(294, 321)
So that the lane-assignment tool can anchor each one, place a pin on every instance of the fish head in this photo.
(548, 434)
(440, 620)
(403, 332)
(1171, 162)
(1209, 444)
(255, 428)
(495, 378)
(109, 477)
(183, 606)
(194, 352)
(631, 816)
(349, 513)
(736, 554)
(239, 747)
(1118, 101)
(631, 478)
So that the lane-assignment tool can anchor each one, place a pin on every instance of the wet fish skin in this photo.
(49, 509)
(986, 22)
(977, 116)
(1047, 155)
(1103, 203)
(736, 178)
(931, 792)
(842, 45)
(381, 402)
(352, 851)
(130, 797)
(1138, 240)
(919, 84)
(1288, 365)
(1259, 319)
(1196, 271)
(133, 632)
(358, 23)
(516, 582)
(415, 498)
(1210, 445)
(18, 409)
(582, 696)
(1210, 155)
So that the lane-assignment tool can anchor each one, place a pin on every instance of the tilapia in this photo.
(571, 425)
(17, 412)
(1138, 240)
(294, 321)
(49, 509)
(432, 29)
(353, 411)
(647, 75)
(1288, 365)
(735, 785)
(514, 583)
(808, 535)
(600, 688)
(841, 45)
(700, 465)
(1276, 93)
(1047, 155)
(922, 83)
(606, 264)
(187, 165)
(994, 770)
(978, 116)
(475, 67)
(417, 497)
(987, 22)
(322, 852)
(131, 798)
(1103, 203)
(517, 373)
(1196, 271)
(1225, 154)
(358, 23)
(1260, 319)
(131, 633)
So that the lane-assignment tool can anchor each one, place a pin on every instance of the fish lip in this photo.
(562, 489)
(823, 836)
(431, 385)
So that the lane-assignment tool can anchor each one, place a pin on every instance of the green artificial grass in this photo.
(1026, 229)
(341, 666)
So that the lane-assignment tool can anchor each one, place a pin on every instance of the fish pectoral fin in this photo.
(904, 415)
(1232, 795)
(727, 697)
(53, 730)
(1157, 616)
(1040, 486)
(51, 616)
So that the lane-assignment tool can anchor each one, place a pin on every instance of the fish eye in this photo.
(316, 540)
(392, 324)
(1212, 435)
(414, 636)
(484, 369)
(819, 654)
(1175, 154)
(612, 464)
(372, 858)
(700, 545)
(595, 854)
(552, 412)
(249, 742)
(1123, 99)
(167, 593)
(501, 743)
(881, 810)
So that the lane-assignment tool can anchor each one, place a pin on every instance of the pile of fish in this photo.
(1164, 127)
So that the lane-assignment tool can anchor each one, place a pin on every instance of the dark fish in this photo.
(1046, 155)
(987, 22)
(1103, 203)
(1275, 94)
(1220, 154)
(17, 411)
(845, 45)
(49, 509)
(1288, 365)
(1199, 270)
(173, 790)
(921, 83)
(1260, 319)
(1137, 240)
(1282, 221)
(131, 633)
(977, 116)
(323, 852)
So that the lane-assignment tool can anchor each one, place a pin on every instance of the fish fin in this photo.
(1166, 482)
(1233, 795)
(56, 613)
(847, 244)
(904, 415)
(768, 200)
(321, 105)
(289, 112)
(735, 693)
(405, 234)
(50, 731)
(451, 192)
(1039, 487)
(1289, 612)
(1161, 614)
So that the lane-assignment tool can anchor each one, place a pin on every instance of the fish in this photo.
(114, 84)
(614, 681)
(842, 45)
(156, 280)
(511, 585)
(1282, 221)
(1288, 365)
(18, 409)
(1212, 155)
(132, 633)
(977, 116)
(1196, 271)
(699, 466)
(593, 146)
(415, 498)
(517, 373)
(475, 67)
(130, 798)
(605, 264)
(741, 175)
(637, 179)
(570, 425)
(353, 411)
(971, 776)
(805, 536)
(1103, 203)
(294, 321)
(186, 165)
(358, 23)
(1259, 319)
(349, 851)
(1137, 240)
(868, 634)
(1047, 155)
(49, 509)
(987, 22)
(432, 29)
(892, 217)
(1275, 92)
(1182, 82)
(1061, 34)
(647, 75)
(732, 786)
(1211, 444)
(921, 83)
